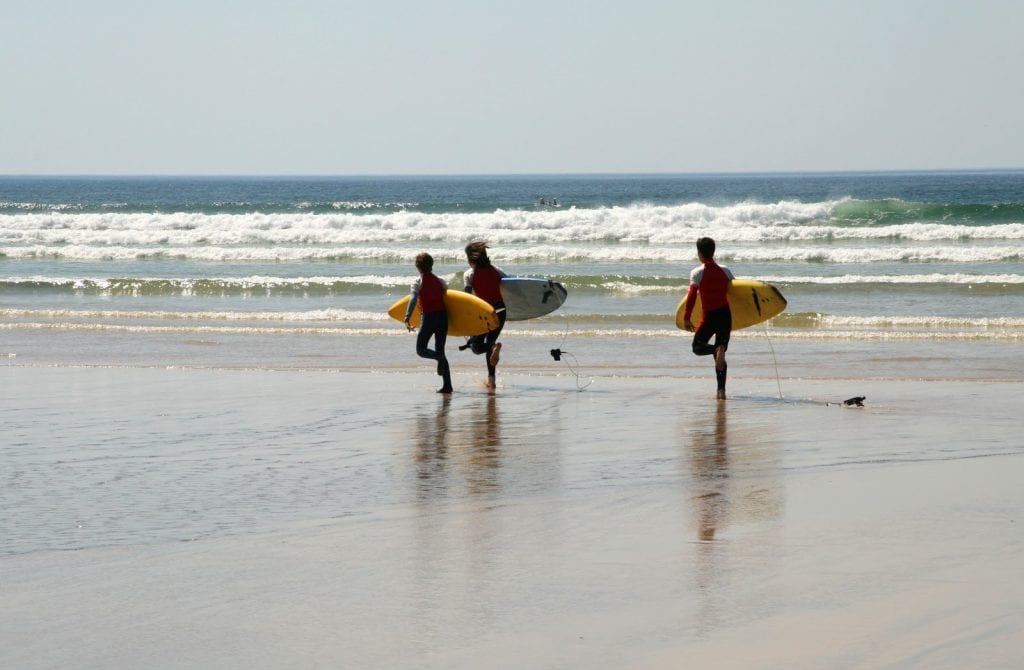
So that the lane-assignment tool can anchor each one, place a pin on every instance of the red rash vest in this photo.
(711, 280)
(431, 294)
(486, 284)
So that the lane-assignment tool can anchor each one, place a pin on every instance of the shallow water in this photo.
(101, 456)
(859, 256)
(260, 518)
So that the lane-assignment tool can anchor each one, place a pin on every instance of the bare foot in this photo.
(495, 355)
(445, 389)
(720, 395)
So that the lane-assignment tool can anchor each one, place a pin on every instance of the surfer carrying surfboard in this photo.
(483, 279)
(711, 282)
(428, 292)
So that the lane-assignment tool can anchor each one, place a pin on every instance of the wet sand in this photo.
(253, 518)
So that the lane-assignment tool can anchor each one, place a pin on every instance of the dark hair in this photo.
(476, 254)
(706, 247)
(424, 262)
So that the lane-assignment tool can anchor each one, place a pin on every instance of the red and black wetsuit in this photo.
(711, 281)
(428, 293)
(485, 283)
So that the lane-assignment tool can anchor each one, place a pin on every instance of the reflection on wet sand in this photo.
(455, 554)
(736, 481)
(432, 449)
(484, 449)
(735, 470)
(472, 447)
(709, 462)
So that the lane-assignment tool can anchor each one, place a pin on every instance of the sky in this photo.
(338, 87)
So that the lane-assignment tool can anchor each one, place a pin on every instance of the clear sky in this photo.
(344, 87)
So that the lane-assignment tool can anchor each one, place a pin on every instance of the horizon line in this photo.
(453, 175)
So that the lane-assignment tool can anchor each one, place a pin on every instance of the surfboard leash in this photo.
(558, 353)
(778, 380)
(855, 401)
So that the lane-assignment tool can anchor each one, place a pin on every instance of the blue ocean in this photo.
(932, 256)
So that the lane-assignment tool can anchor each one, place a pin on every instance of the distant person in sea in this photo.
(428, 293)
(711, 282)
(483, 279)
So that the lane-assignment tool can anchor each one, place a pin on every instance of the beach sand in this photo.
(168, 517)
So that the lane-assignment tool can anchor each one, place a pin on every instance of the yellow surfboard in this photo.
(467, 314)
(750, 302)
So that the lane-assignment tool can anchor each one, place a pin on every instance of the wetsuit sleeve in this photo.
(691, 300)
(691, 295)
(415, 288)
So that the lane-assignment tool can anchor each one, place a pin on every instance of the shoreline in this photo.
(751, 356)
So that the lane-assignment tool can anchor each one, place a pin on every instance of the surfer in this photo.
(711, 281)
(483, 279)
(428, 291)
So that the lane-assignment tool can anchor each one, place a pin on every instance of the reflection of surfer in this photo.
(710, 459)
(484, 459)
(432, 451)
(428, 291)
(484, 280)
(710, 281)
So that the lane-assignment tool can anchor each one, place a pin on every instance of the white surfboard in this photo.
(527, 298)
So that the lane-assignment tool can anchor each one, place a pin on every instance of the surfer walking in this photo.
(483, 279)
(711, 282)
(428, 293)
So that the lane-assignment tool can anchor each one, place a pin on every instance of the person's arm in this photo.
(691, 300)
(467, 279)
(691, 296)
(415, 288)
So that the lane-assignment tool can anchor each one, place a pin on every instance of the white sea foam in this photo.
(922, 322)
(655, 225)
(577, 253)
(899, 336)
(637, 285)
(898, 328)
(324, 315)
(186, 285)
(876, 254)
(197, 329)
(955, 279)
